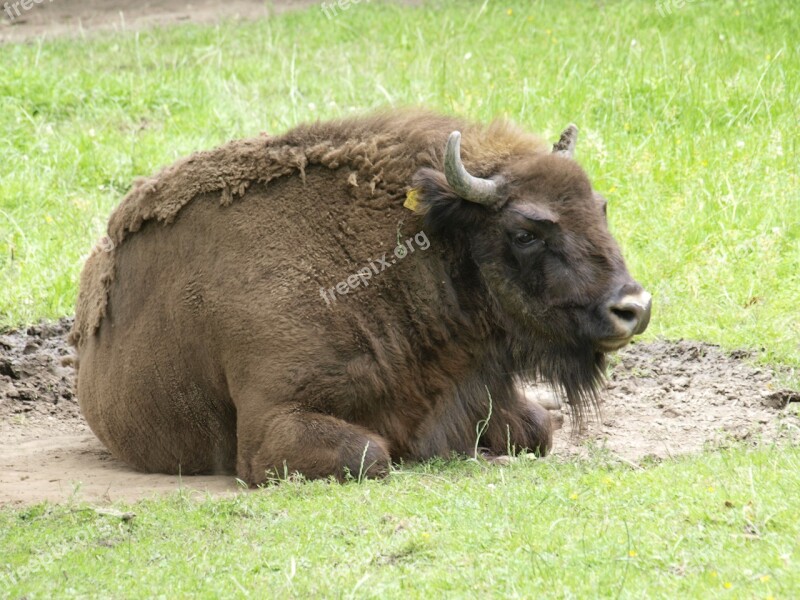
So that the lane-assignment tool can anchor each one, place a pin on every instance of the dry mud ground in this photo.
(51, 18)
(663, 399)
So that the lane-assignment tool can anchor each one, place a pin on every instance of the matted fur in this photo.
(382, 152)
(204, 343)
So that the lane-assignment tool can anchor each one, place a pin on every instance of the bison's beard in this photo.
(544, 346)
(576, 372)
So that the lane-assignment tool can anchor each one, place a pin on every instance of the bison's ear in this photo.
(443, 209)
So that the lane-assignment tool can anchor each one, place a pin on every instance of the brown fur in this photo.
(204, 344)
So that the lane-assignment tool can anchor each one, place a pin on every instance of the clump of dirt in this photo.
(663, 399)
(35, 384)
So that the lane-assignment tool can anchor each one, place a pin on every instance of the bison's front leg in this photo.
(292, 440)
(524, 426)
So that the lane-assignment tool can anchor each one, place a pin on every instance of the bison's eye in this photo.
(525, 239)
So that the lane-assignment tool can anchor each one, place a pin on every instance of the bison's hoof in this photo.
(371, 463)
(542, 395)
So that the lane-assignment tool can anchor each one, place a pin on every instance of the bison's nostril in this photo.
(624, 313)
(630, 314)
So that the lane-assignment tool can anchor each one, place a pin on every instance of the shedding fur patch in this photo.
(96, 279)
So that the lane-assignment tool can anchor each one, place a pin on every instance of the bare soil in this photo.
(664, 399)
(50, 18)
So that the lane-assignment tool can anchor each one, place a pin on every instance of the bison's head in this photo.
(537, 233)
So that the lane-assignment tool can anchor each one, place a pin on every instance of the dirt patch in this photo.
(35, 384)
(47, 451)
(664, 399)
(52, 18)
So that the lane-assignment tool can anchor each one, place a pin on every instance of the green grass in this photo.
(690, 125)
(719, 526)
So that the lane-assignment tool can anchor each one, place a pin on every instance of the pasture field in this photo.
(722, 525)
(690, 126)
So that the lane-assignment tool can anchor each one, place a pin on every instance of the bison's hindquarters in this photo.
(147, 422)
(143, 386)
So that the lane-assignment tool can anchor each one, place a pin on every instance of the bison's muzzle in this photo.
(628, 314)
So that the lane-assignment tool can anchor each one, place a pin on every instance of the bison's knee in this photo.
(539, 428)
(316, 446)
(527, 427)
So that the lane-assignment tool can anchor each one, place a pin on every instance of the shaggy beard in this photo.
(577, 373)
(574, 368)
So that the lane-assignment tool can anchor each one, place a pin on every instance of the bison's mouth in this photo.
(612, 344)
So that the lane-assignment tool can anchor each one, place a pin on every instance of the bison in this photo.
(350, 294)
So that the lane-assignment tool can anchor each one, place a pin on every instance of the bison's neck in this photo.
(480, 342)
(456, 323)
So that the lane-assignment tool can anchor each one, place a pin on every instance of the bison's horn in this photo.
(565, 146)
(474, 189)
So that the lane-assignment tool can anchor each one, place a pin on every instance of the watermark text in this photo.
(12, 9)
(664, 7)
(376, 267)
(332, 7)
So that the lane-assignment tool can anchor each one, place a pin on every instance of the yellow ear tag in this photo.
(412, 199)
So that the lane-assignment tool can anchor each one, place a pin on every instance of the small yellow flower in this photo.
(764, 578)
(48, 218)
(573, 496)
(612, 189)
(713, 573)
(727, 585)
(711, 488)
(509, 12)
(631, 553)
(768, 57)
